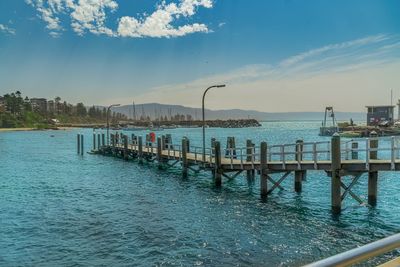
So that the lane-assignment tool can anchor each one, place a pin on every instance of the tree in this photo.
(81, 110)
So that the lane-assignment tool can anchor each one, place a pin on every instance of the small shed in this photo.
(380, 115)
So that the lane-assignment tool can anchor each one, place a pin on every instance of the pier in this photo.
(336, 157)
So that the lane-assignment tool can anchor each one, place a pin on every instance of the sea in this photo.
(58, 208)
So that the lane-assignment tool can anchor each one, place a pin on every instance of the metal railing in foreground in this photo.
(361, 254)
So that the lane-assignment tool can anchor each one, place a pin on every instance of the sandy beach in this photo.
(32, 129)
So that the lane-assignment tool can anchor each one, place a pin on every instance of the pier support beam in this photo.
(82, 145)
(354, 150)
(159, 152)
(299, 175)
(98, 141)
(372, 188)
(78, 143)
(218, 169)
(94, 140)
(140, 149)
(336, 196)
(263, 170)
(185, 164)
(373, 176)
(250, 158)
(125, 140)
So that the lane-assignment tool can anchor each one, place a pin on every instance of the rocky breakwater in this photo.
(244, 123)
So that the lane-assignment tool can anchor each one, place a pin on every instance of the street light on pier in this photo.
(204, 122)
(108, 124)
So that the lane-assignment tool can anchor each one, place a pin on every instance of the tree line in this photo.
(15, 106)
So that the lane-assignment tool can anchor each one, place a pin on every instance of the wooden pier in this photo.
(338, 158)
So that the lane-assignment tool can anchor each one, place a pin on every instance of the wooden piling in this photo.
(373, 144)
(82, 145)
(78, 143)
(163, 140)
(140, 149)
(94, 140)
(126, 152)
(249, 158)
(373, 176)
(299, 174)
(263, 169)
(159, 152)
(218, 168)
(372, 188)
(187, 145)
(354, 150)
(336, 196)
(103, 139)
(184, 158)
(98, 141)
(112, 137)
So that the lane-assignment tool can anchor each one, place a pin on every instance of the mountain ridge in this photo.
(155, 110)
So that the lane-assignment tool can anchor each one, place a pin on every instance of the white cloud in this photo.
(91, 16)
(6, 29)
(347, 75)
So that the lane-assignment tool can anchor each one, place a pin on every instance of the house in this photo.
(2, 104)
(378, 115)
(39, 104)
(51, 107)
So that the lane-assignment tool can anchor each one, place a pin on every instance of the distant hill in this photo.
(154, 110)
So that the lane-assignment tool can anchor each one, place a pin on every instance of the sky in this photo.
(273, 56)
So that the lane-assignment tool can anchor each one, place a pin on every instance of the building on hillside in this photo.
(2, 104)
(51, 107)
(380, 115)
(39, 104)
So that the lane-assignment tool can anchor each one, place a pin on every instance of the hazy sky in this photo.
(273, 55)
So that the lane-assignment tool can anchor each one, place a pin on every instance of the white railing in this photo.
(358, 150)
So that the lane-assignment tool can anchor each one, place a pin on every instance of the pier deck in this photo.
(338, 158)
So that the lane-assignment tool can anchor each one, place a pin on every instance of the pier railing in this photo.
(361, 254)
(337, 157)
(356, 150)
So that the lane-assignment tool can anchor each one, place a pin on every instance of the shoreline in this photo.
(34, 129)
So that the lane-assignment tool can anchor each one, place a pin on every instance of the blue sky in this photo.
(275, 55)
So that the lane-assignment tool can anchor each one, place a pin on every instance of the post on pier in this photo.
(263, 169)
(116, 139)
(163, 140)
(218, 168)
(126, 152)
(98, 141)
(82, 145)
(336, 196)
(140, 149)
(94, 140)
(112, 144)
(354, 150)
(230, 147)
(185, 164)
(250, 158)
(373, 176)
(299, 175)
(78, 144)
(103, 139)
(159, 152)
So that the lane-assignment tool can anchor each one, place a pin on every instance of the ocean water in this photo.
(61, 209)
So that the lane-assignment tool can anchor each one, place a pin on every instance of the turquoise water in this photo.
(61, 209)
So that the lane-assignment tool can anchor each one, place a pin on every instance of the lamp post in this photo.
(108, 124)
(204, 122)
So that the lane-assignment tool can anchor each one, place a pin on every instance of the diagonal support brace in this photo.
(278, 184)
